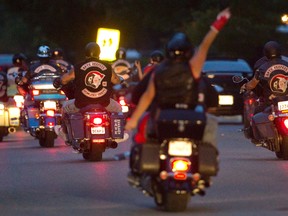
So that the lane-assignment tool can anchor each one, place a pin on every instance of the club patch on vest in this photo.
(278, 84)
(94, 79)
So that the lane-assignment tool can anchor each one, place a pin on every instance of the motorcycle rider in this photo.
(3, 87)
(174, 82)
(123, 67)
(94, 79)
(20, 66)
(155, 58)
(271, 75)
(43, 63)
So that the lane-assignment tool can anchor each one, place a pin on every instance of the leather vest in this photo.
(175, 85)
(92, 83)
(273, 77)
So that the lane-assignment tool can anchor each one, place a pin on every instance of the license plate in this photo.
(226, 100)
(97, 130)
(283, 105)
(180, 148)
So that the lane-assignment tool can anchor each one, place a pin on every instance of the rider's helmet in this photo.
(18, 59)
(44, 52)
(120, 53)
(57, 53)
(272, 49)
(179, 47)
(156, 56)
(92, 50)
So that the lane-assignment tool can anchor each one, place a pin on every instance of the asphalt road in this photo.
(55, 181)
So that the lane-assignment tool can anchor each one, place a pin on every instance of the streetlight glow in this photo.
(284, 19)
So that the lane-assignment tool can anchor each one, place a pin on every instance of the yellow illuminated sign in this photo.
(108, 40)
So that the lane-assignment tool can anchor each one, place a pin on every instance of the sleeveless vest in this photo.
(175, 85)
(273, 77)
(92, 83)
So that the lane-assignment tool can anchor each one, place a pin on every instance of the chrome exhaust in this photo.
(11, 129)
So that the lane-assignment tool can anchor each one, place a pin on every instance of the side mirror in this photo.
(238, 79)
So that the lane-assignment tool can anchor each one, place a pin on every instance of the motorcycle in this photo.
(176, 164)
(42, 109)
(270, 130)
(9, 119)
(250, 101)
(122, 94)
(93, 130)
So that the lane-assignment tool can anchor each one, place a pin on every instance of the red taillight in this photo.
(122, 101)
(285, 123)
(180, 165)
(251, 101)
(180, 176)
(97, 121)
(51, 124)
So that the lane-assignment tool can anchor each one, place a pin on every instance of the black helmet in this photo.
(272, 49)
(179, 47)
(57, 53)
(92, 50)
(157, 56)
(120, 53)
(44, 51)
(18, 58)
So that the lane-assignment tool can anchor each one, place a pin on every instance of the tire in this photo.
(158, 193)
(95, 153)
(284, 148)
(48, 140)
(173, 202)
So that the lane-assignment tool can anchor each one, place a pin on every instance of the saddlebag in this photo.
(117, 125)
(180, 123)
(208, 159)
(262, 127)
(33, 117)
(145, 158)
(77, 125)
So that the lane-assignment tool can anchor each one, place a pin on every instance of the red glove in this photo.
(221, 20)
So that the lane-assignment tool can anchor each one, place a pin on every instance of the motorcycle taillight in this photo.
(50, 113)
(99, 119)
(180, 165)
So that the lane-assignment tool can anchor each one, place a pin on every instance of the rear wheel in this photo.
(47, 140)
(95, 153)
(283, 148)
(174, 202)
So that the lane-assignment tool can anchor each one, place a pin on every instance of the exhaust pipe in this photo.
(113, 144)
(11, 129)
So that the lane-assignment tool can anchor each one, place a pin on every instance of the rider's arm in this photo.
(67, 77)
(251, 84)
(144, 102)
(198, 59)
